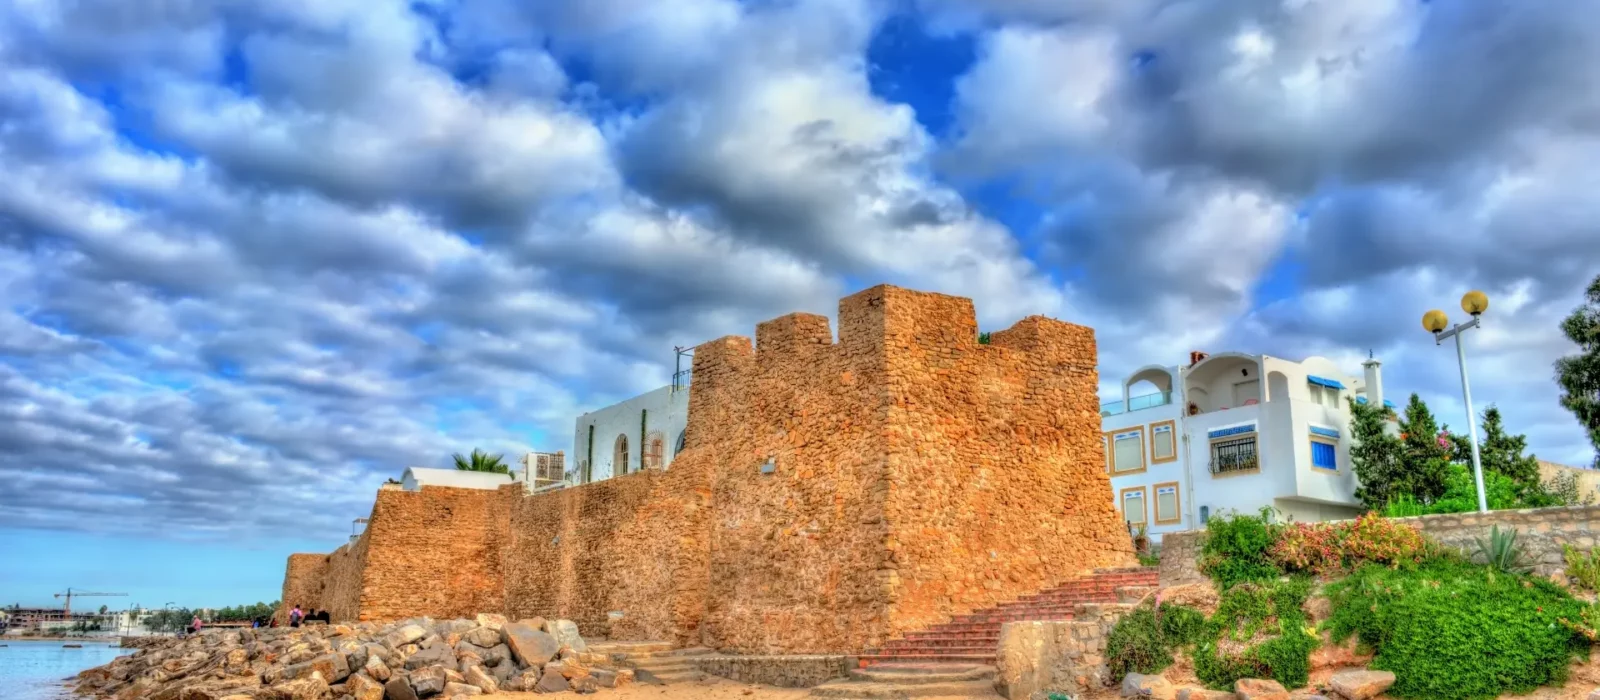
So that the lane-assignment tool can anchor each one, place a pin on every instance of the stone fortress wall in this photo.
(832, 495)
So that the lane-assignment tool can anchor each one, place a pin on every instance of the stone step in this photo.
(630, 648)
(921, 674)
(856, 689)
(661, 663)
(874, 659)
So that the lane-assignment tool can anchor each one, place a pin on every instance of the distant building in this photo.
(1234, 431)
(1588, 479)
(644, 432)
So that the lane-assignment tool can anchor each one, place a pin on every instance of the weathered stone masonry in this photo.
(833, 495)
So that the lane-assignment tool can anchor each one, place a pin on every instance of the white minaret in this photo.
(1374, 377)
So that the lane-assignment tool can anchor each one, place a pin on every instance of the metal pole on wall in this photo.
(1435, 322)
(1472, 424)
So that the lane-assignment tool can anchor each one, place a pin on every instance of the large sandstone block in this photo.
(1138, 685)
(1361, 685)
(1259, 689)
(530, 646)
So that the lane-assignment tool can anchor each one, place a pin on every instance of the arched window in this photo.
(655, 451)
(619, 458)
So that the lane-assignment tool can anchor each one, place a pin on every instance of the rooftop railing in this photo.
(1136, 403)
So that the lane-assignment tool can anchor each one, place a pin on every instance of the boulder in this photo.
(490, 620)
(1138, 685)
(428, 681)
(333, 667)
(440, 655)
(566, 634)
(477, 676)
(361, 687)
(310, 688)
(1259, 689)
(1362, 684)
(1204, 694)
(551, 683)
(496, 655)
(604, 677)
(521, 681)
(482, 636)
(405, 634)
(530, 645)
(398, 688)
(460, 690)
(376, 668)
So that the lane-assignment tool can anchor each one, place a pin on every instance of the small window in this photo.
(1105, 447)
(655, 449)
(619, 456)
(1234, 455)
(1163, 443)
(1205, 514)
(1324, 455)
(1128, 452)
(1167, 504)
(683, 442)
(1133, 505)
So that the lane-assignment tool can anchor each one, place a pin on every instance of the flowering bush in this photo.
(1322, 548)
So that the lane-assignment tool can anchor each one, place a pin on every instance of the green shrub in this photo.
(1149, 560)
(1458, 631)
(1143, 641)
(1583, 569)
(1238, 547)
(1258, 631)
(1502, 553)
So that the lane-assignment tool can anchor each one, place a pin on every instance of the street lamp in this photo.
(1435, 321)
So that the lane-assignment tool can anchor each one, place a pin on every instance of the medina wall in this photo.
(831, 495)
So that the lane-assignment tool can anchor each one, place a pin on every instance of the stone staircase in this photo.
(912, 681)
(973, 640)
(654, 662)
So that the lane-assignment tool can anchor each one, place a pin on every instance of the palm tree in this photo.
(481, 461)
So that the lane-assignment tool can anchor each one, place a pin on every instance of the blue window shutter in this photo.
(1324, 456)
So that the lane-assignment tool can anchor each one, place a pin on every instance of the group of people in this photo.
(298, 616)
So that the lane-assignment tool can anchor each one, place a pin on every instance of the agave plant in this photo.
(1502, 553)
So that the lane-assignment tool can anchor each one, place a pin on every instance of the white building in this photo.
(417, 477)
(1233, 431)
(646, 431)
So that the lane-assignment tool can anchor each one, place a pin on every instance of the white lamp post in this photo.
(1435, 321)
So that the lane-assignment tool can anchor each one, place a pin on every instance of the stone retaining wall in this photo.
(1541, 533)
(780, 671)
(1057, 656)
(831, 496)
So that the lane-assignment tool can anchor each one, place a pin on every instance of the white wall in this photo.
(417, 477)
(664, 410)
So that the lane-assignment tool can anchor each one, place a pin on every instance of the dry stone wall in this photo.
(832, 495)
(1541, 533)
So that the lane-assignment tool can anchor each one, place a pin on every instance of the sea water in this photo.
(35, 670)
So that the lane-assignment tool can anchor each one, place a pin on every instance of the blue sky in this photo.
(256, 257)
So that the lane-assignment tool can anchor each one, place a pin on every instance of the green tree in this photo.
(480, 461)
(1375, 454)
(1499, 451)
(1425, 453)
(1579, 375)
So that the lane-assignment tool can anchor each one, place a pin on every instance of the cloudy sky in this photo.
(258, 255)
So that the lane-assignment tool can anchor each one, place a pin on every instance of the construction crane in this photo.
(66, 609)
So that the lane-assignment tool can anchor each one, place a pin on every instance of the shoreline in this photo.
(113, 641)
